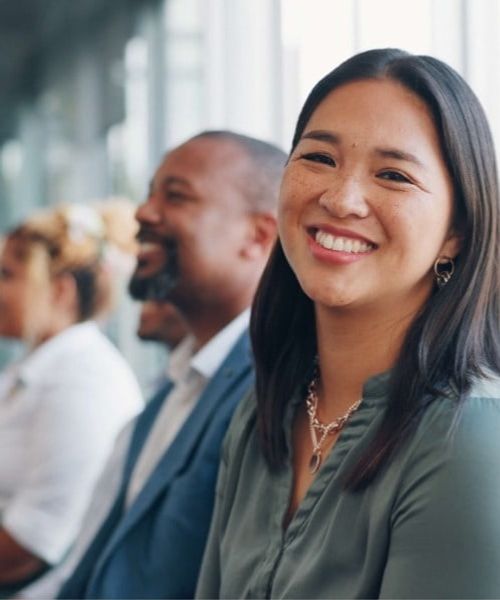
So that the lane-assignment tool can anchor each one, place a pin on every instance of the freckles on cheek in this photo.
(401, 217)
(288, 213)
(293, 179)
(294, 194)
(286, 197)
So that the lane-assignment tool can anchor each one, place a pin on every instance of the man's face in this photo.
(192, 226)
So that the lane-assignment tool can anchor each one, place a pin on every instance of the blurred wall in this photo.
(112, 84)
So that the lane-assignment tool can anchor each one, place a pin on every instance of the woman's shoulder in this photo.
(480, 401)
(244, 417)
(86, 347)
(444, 512)
(478, 420)
(463, 435)
(479, 405)
(242, 424)
(82, 358)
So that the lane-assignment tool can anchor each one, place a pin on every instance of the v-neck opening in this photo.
(374, 393)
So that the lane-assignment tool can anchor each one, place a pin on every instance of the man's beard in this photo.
(158, 285)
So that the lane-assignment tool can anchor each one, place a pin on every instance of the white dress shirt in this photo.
(190, 374)
(60, 410)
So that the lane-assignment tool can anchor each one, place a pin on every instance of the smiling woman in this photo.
(368, 464)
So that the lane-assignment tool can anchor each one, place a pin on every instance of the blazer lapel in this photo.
(76, 585)
(185, 442)
(142, 429)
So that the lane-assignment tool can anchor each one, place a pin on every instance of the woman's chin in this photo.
(332, 298)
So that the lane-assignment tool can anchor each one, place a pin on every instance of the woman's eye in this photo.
(394, 176)
(319, 158)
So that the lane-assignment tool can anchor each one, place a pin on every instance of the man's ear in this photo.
(261, 235)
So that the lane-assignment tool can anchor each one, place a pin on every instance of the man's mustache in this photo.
(148, 235)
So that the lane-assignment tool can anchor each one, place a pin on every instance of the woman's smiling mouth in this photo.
(342, 243)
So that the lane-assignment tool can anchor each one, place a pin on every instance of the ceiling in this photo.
(27, 29)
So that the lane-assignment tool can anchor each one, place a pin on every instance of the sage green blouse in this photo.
(427, 527)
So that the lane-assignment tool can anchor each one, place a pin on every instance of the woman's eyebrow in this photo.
(322, 135)
(397, 154)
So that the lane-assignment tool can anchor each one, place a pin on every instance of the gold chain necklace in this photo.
(316, 427)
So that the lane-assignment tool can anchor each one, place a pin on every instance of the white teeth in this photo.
(341, 244)
(338, 243)
(327, 242)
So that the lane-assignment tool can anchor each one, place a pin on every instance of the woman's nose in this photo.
(345, 198)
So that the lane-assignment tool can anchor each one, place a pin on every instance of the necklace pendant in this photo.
(320, 431)
(315, 462)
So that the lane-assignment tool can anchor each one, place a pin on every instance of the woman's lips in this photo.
(338, 246)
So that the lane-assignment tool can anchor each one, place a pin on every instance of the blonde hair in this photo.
(95, 243)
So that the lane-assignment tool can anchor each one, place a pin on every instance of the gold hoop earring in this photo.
(444, 267)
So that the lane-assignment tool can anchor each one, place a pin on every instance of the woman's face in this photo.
(366, 200)
(17, 300)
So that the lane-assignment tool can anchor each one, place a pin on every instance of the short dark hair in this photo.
(261, 180)
(455, 338)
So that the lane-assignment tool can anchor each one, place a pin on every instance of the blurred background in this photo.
(92, 92)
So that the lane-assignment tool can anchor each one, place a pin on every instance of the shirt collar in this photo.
(377, 387)
(180, 359)
(210, 356)
(375, 390)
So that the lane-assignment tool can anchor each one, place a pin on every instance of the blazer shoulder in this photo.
(240, 354)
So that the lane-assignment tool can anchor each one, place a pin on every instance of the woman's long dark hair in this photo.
(455, 338)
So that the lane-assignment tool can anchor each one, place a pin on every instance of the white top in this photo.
(60, 410)
(190, 375)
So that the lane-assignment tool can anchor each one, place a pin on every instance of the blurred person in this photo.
(61, 404)
(161, 322)
(206, 230)
(367, 465)
(158, 322)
